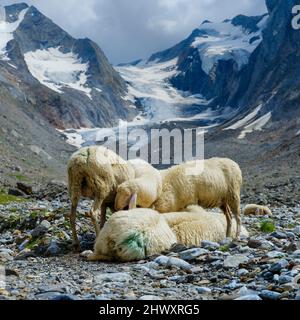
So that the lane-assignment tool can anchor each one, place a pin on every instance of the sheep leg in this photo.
(72, 217)
(227, 212)
(95, 215)
(236, 209)
(103, 215)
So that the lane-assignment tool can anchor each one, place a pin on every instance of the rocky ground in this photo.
(36, 253)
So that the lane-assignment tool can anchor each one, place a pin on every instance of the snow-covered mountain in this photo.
(180, 83)
(69, 81)
(241, 74)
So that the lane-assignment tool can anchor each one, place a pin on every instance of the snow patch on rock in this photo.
(57, 70)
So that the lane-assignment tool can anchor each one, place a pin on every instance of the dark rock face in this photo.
(71, 108)
(248, 23)
(272, 75)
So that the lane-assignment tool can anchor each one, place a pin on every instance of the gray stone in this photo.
(162, 260)
(47, 295)
(113, 277)
(5, 256)
(242, 272)
(64, 297)
(285, 279)
(203, 290)
(46, 224)
(253, 243)
(25, 254)
(175, 262)
(39, 231)
(235, 261)
(275, 254)
(172, 262)
(192, 254)
(210, 245)
(56, 288)
(270, 295)
(150, 297)
(252, 297)
(297, 231)
(16, 192)
(296, 254)
(279, 235)
(277, 267)
(53, 249)
(233, 285)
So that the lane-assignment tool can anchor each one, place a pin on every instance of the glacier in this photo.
(56, 70)
(225, 41)
(6, 31)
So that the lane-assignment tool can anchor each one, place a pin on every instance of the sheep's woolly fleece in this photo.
(95, 172)
(210, 183)
(147, 186)
(140, 233)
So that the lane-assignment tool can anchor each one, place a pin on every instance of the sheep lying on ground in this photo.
(95, 172)
(254, 209)
(146, 186)
(209, 183)
(195, 225)
(133, 235)
(140, 233)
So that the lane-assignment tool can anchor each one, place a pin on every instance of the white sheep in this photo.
(140, 233)
(95, 172)
(254, 209)
(195, 225)
(147, 186)
(133, 235)
(209, 183)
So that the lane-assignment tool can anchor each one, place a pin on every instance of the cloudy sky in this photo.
(130, 29)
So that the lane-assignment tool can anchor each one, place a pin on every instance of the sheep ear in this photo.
(133, 202)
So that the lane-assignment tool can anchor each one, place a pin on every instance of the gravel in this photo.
(36, 251)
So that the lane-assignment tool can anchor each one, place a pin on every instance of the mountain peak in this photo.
(18, 6)
(248, 23)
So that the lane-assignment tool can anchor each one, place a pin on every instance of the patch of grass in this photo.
(291, 225)
(225, 248)
(20, 177)
(6, 198)
(32, 244)
(267, 226)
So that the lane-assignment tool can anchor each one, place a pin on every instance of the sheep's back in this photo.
(97, 169)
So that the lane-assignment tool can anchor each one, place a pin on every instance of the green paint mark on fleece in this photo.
(136, 242)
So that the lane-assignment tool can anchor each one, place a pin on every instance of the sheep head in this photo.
(126, 197)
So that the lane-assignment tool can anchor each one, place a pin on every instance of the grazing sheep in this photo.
(95, 172)
(254, 209)
(140, 233)
(209, 183)
(146, 186)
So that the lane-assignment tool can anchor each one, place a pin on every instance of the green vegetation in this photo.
(20, 177)
(267, 226)
(6, 198)
(225, 248)
(32, 244)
